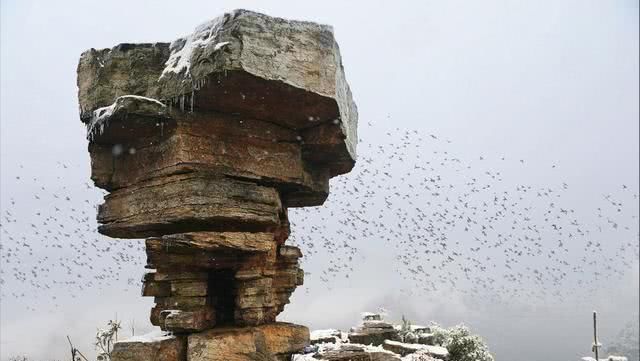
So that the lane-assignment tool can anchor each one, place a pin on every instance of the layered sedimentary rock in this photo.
(275, 341)
(203, 144)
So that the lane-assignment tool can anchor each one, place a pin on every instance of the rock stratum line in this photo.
(203, 144)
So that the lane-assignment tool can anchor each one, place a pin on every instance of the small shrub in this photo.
(461, 344)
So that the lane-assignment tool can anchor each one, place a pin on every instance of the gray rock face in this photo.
(260, 67)
(188, 202)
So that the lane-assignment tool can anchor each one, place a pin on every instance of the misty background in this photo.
(551, 83)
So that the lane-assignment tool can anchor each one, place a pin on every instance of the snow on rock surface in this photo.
(129, 103)
(322, 334)
(344, 351)
(154, 346)
(182, 48)
(153, 336)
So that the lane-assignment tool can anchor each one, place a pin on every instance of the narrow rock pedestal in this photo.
(203, 144)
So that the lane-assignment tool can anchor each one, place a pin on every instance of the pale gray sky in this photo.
(550, 82)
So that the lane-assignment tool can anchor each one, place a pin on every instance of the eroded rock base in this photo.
(270, 342)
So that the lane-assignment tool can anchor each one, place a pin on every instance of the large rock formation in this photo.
(203, 144)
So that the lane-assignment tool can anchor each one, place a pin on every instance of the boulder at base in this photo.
(151, 347)
(270, 342)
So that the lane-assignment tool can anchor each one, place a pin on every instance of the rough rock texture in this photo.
(259, 67)
(229, 145)
(373, 333)
(203, 144)
(170, 348)
(271, 342)
(233, 277)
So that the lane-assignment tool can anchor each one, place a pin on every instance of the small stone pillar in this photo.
(203, 144)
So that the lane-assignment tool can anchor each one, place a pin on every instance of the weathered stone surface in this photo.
(130, 117)
(164, 348)
(385, 356)
(188, 321)
(188, 201)
(105, 74)
(373, 336)
(203, 144)
(260, 67)
(266, 343)
(426, 338)
(181, 302)
(373, 330)
(176, 274)
(189, 288)
(283, 339)
(217, 241)
(128, 148)
(345, 352)
(156, 289)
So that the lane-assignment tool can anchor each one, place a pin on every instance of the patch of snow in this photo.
(318, 334)
(153, 336)
(101, 115)
(219, 46)
(307, 357)
(182, 49)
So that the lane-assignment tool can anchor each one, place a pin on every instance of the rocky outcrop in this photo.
(151, 348)
(325, 336)
(203, 144)
(403, 349)
(248, 281)
(242, 64)
(372, 331)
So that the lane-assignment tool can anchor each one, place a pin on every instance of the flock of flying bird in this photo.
(449, 225)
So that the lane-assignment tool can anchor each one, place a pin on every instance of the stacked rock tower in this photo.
(203, 144)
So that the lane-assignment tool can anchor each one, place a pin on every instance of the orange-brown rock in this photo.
(132, 147)
(271, 342)
(147, 348)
